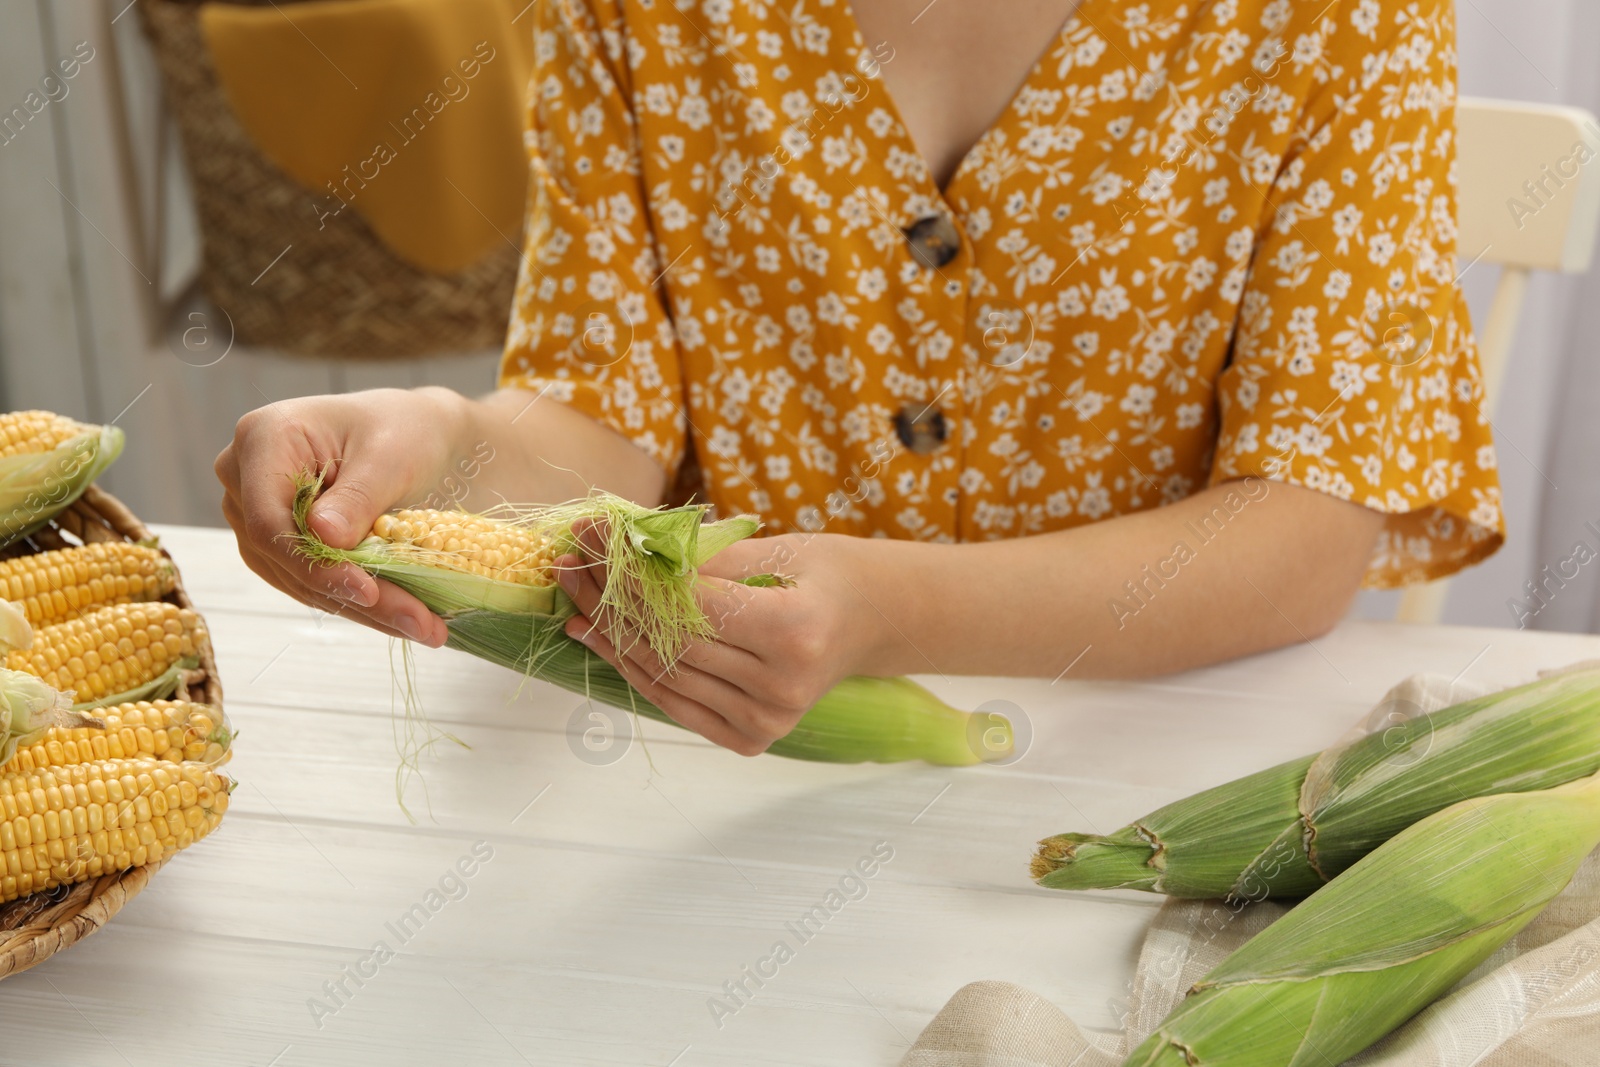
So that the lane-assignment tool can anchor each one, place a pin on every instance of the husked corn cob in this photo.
(52, 587)
(24, 432)
(63, 825)
(473, 543)
(112, 650)
(174, 731)
(46, 462)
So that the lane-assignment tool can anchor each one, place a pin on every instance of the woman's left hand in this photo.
(778, 648)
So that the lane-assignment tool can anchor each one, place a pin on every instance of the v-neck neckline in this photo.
(941, 193)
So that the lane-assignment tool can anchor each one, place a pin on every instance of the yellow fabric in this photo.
(1184, 254)
(406, 112)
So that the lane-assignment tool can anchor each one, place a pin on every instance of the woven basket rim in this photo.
(37, 927)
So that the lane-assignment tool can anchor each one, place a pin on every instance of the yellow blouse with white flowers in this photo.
(1207, 239)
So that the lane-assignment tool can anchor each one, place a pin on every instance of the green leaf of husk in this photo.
(1531, 737)
(877, 720)
(28, 708)
(1201, 846)
(1383, 939)
(1284, 831)
(1473, 865)
(160, 687)
(1316, 1023)
(451, 593)
(35, 487)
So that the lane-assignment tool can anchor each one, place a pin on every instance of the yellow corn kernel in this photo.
(68, 836)
(96, 657)
(29, 432)
(52, 587)
(479, 545)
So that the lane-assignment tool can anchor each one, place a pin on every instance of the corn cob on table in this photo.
(557, 908)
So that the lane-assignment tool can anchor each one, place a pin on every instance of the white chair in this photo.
(1525, 203)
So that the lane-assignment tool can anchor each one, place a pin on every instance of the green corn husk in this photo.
(29, 707)
(35, 487)
(1385, 938)
(860, 720)
(657, 553)
(1287, 830)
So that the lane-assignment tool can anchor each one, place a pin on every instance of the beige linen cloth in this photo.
(1534, 1003)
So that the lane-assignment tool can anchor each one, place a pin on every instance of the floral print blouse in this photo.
(1206, 240)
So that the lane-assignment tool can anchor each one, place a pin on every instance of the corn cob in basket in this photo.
(88, 789)
(174, 731)
(1285, 831)
(491, 578)
(60, 585)
(82, 796)
(1382, 940)
(114, 654)
(46, 462)
(67, 824)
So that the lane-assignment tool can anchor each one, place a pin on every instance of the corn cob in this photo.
(25, 432)
(46, 462)
(462, 568)
(175, 731)
(63, 825)
(113, 652)
(52, 587)
(472, 543)
(1287, 830)
(1382, 940)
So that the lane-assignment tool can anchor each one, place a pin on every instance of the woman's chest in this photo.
(1149, 133)
(1065, 300)
(956, 67)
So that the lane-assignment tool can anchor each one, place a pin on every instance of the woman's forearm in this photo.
(514, 445)
(1235, 569)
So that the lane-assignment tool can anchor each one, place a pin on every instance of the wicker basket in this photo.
(37, 927)
(341, 292)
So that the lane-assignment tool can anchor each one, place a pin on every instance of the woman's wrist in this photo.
(453, 418)
(439, 421)
(895, 587)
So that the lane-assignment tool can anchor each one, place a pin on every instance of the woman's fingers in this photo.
(712, 657)
(394, 611)
(682, 709)
(257, 470)
(726, 677)
(365, 448)
(704, 681)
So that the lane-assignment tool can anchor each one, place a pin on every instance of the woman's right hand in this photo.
(382, 449)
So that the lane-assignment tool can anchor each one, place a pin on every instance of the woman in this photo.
(1112, 338)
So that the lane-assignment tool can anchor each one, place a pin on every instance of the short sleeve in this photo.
(589, 326)
(1354, 371)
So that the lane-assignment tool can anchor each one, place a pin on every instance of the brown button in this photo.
(934, 241)
(921, 429)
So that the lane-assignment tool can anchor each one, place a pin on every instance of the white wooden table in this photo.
(618, 901)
